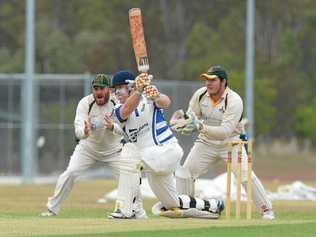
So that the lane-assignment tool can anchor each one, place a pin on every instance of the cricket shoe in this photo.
(216, 205)
(119, 215)
(268, 215)
(47, 213)
(157, 208)
(140, 214)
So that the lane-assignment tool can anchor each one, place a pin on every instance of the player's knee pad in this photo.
(130, 166)
(130, 159)
(214, 205)
(184, 181)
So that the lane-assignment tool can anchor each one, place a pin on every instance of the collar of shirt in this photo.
(214, 103)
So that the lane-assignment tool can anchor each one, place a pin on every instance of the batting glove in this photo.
(141, 81)
(151, 92)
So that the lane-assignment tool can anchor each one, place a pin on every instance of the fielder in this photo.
(98, 146)
(141, 117)
(215, 111)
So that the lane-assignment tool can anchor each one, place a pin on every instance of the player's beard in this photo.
(101, 99)
(213, 92)
(216, 92)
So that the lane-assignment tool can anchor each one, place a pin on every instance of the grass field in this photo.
(83, 216)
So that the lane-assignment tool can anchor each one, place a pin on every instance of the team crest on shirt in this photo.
(133, 132)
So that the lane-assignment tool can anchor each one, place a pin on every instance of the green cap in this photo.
(101, 80)
(214, 72)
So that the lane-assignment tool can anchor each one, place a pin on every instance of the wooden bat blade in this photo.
(138, 39)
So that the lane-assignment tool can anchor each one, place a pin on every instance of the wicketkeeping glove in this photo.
(151, 92)
(141, 81)
(185, 123)
(178, 121)
(193, 124)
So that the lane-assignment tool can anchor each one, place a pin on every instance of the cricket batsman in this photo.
(215, 111)
(140, 114)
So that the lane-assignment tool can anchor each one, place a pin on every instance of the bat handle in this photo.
(143, 67)
(150, 77)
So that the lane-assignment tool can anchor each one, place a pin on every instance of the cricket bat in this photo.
(138, 39)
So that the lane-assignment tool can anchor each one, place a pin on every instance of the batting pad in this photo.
(127, 191)
(189, 213)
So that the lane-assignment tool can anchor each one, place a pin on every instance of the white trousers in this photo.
(202, 156)
(165, 159)
(82, 160)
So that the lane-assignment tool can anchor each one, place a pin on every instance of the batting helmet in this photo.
(122, 77)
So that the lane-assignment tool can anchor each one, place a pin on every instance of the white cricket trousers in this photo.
(163, 183)
(82, 160)
(203, 155)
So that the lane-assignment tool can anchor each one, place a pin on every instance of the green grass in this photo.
(258, 231)
(81, 216)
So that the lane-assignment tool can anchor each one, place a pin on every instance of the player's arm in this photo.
(112, 125)
(185, 123)
(142, 81)
(82, 122)
(151, 92)
(194, 105)
(130, 105)
(162, 101)
(230, 121)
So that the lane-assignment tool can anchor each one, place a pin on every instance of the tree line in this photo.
(184, 38)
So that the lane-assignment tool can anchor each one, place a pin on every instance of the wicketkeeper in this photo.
(215, 111)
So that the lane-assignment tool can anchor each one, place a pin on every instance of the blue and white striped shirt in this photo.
(146, 126)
